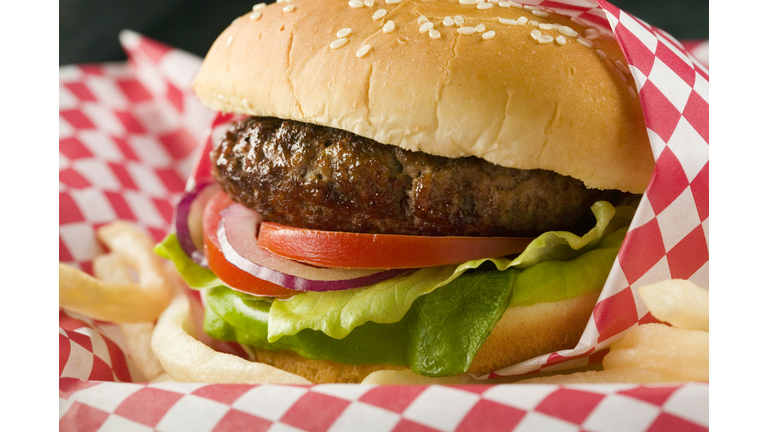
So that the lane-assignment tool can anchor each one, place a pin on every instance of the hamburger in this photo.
(433, 185)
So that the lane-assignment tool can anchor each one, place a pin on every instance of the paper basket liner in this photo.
(129, 139)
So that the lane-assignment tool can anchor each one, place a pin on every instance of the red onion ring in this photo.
(237, 238)
(188, 220)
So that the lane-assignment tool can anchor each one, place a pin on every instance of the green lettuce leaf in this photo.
(437, 337)
(195, 276)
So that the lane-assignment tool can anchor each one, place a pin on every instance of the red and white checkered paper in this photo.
(128, 140)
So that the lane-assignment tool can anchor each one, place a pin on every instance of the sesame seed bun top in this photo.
(553, 95)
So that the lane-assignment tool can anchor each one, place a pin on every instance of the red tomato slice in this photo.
(352, 250)
(226, 271)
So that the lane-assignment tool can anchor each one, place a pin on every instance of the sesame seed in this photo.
(504, 4)
(427, 26)
(621, 75)
(338, 43)
(516, 5)
(489, 34)
(545, 39)
(362, 52)
(544, 26)
(343, 32)
(480, 27)
(447, 21)
(388, 27)
(622, 66)
(529, 7)
(229, 40)
(586, 42)
(561, 40)
(533, 23)
(536, 34)
(221, 96)
(592, 36)
(356, 4)
(601, 54)
(393, 1)
(244, 103)
(379, 14)
(280, 1)
(368, 3)
(590, 31)
(567, 31)
(458, 19)
(632, 92)
(484, 6)
(507, 21)
(540, 13)
(255, 15)
(259, 6)
(579, 21)
(434, 34)
(423, 19)
(493, 1)
(467, 30)
(468, 2)
(522, 20)
(289, 8)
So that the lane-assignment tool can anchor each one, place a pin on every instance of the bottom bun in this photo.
(522, 333)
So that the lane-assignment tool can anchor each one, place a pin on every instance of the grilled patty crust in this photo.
(311, 176)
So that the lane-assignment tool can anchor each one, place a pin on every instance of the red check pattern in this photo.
(216, 407)
(128, 134)
(127, 139)
(93, 351)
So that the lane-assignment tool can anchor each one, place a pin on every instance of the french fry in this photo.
(678, 302)
(115, 300)
(188, 360)
(138, 338)
(679, 352)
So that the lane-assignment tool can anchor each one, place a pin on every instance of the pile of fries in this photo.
(134, 288)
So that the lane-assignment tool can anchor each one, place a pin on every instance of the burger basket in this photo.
(130, 134)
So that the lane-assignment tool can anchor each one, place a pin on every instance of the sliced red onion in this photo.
(189, 221)
(237, 238)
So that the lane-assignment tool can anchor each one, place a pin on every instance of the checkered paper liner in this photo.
(337, 407)
(128, 139)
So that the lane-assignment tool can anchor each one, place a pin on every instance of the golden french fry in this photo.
(138, 338)
(679, 352)
(136, 249)
(111, 268)
(115, 300)
(188, 360)
(118, 303)
(678, 302)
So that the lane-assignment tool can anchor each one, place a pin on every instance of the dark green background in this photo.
(88, 28)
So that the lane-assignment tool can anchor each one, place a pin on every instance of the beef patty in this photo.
(318, 177)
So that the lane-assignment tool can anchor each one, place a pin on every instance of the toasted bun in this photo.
(522, 333)
(509, 99)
